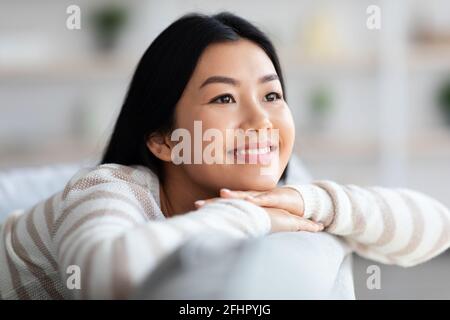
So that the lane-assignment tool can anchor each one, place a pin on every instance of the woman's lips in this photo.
(254, 153)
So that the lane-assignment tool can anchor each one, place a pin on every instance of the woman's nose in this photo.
(256, 118)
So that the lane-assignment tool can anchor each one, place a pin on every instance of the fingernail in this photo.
(319, 226)
(249, 198)
(225, 190)
(199, 202)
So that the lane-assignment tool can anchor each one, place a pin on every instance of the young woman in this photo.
(113, 223)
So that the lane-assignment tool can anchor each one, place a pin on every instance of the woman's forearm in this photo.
(103, 228)
(393, 226)
(114, 255)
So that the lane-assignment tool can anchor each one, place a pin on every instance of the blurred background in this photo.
(371, 106)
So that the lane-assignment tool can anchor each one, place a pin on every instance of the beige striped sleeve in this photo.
(391, 226)
(103, 229)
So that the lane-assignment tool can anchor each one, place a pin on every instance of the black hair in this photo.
(161, 77)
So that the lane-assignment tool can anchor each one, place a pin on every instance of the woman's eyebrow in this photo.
(220, 79)
(234, 82)
(269, 77)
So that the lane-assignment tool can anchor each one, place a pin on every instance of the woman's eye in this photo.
(272, 96)
(223, 99)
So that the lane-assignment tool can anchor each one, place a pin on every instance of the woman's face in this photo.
(235, 88)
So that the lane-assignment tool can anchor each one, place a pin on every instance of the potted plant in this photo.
(443, 100)
(320, 106)
(107, 22)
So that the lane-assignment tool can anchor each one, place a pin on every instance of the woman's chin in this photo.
(249, 177)
(255, 183)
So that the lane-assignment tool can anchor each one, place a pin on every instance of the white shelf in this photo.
(59, 151)
(105, 68)
(419, 145)
(95, 68)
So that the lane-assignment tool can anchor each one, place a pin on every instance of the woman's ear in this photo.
(159, 145)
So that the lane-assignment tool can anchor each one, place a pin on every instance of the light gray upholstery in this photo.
(280, 266)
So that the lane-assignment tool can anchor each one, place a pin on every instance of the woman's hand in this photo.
(282, 198)
(281, 220)
(284, 206)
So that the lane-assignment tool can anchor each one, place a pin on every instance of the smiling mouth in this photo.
(254, 151)
(258, 153)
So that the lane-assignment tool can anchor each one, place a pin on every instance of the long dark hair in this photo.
(161, 76)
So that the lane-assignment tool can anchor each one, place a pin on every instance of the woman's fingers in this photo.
(261, 198)
(283, 221)
(201, 203)
(308, 225)
(227, 193)
(266, 199)
(282, 198)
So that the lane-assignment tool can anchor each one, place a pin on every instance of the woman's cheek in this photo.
(284, 122)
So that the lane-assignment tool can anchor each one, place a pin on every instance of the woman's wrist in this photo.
(301, 202)
(316, 202)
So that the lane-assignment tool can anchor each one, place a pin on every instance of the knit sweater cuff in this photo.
(317, 203)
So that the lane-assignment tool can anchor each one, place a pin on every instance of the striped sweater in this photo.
(108, 225)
